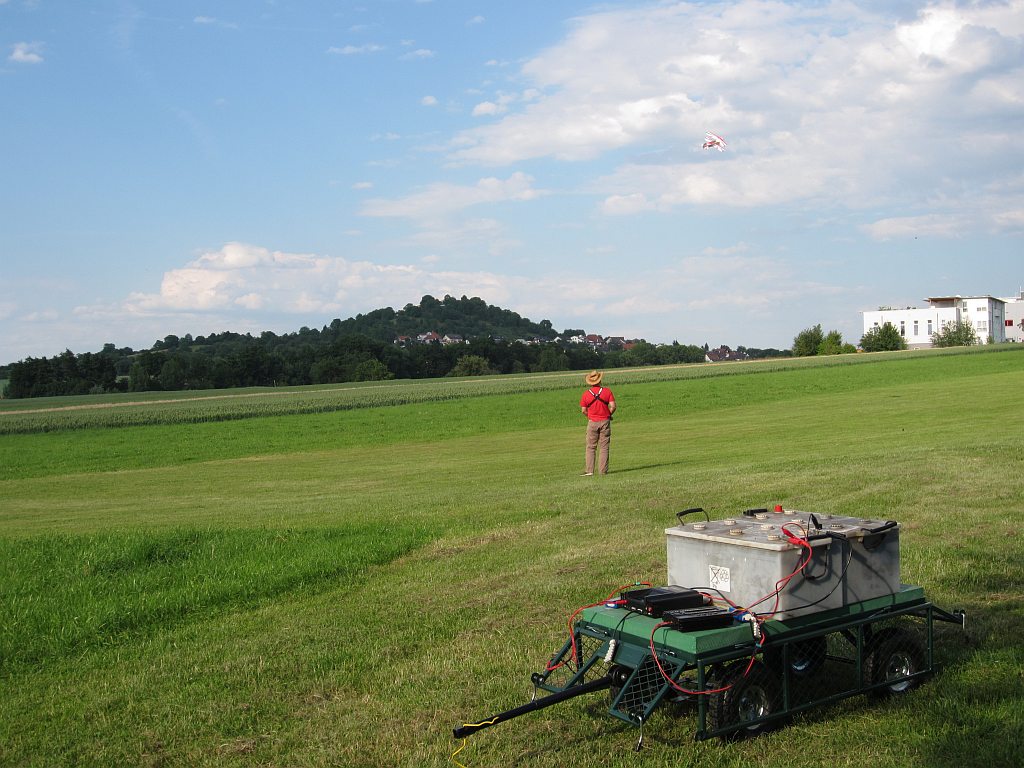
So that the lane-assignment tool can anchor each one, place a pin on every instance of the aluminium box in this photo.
(746, 559)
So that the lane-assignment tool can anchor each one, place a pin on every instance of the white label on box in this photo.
(719, 577)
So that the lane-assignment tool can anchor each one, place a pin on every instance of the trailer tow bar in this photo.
(545, 701)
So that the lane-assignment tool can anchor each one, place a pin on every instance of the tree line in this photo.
(882, 338)
(362, 348)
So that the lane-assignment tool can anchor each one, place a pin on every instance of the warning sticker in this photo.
(719, 577)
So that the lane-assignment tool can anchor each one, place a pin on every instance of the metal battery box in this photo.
(745, 559)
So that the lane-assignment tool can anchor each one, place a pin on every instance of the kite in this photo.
(714, 140)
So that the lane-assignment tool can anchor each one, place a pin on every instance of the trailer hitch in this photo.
(545, 701)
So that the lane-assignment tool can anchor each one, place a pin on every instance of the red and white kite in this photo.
(714, 140)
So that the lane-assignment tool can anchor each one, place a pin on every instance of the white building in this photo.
(986, 314)
(1013, 322)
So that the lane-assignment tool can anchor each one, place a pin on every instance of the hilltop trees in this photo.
(380, 345)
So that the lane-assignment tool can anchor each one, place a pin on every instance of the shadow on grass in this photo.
(647, 466)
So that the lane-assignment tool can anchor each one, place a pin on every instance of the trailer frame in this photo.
(742, 684)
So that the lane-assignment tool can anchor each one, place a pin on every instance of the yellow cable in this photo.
(457, 752)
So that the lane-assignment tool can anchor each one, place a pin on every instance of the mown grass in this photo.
(63, 595)
(472, 538)
(190, 407)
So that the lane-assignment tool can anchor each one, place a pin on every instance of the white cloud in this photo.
(26, 53)
(429, 101)
(211, 21)
(838, 103)
(485, 108)
(363, 185)
(440, 199)
(352, 50)
(475, 20)
(240, 286)
(419, 53)
(929, 225)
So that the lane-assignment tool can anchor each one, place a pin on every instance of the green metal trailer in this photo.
(800, 611)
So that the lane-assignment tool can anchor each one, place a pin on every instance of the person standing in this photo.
(598, 403)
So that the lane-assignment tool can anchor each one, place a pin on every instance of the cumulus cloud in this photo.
(429, 101)
(840, 104)
(239, 286)
(26, 53)
(239, 277)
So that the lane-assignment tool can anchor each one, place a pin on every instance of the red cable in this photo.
(572, 635)
(800, 541)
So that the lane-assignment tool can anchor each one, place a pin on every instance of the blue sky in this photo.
(195, 167)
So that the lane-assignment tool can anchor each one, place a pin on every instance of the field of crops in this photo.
(187, 407)
(338, 576)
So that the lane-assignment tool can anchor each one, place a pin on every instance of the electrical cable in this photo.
(839, 580)
(610, 600)
(461, 747)
(756, 620)
(657, 662)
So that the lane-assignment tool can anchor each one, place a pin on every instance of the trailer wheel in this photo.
(806, 657)
(893, 655)
(746, 697)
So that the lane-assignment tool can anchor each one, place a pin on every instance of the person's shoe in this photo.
(587, 474)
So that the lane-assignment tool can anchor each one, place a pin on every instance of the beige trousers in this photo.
(599, 440)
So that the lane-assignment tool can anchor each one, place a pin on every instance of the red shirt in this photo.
(596, 400)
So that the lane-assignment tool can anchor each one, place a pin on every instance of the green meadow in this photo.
(338, 576)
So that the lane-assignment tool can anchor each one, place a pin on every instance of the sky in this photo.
(193, 167)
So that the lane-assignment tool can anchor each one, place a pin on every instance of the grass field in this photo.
(341, 582)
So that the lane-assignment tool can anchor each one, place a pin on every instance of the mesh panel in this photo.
(643, 690)
(589, 657)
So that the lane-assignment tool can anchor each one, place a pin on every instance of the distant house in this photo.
(428, 338)
(986, 314)
(723, 354)
(594, 340)
(452, 338)
(403, 340)
(1013, 322)
(617, 342)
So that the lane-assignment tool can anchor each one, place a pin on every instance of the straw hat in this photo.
(593, 378)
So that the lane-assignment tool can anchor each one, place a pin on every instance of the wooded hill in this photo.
(362, 348)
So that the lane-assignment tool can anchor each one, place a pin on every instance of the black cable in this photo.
(839, 580)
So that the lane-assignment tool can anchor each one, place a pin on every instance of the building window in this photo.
(982, 325)
(903, 328)
(916, 331)
(929, 327)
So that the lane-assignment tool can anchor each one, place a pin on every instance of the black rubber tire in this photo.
(893, 654)
(806, 658)
(747, 697)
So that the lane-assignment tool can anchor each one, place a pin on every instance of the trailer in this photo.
(765, 616)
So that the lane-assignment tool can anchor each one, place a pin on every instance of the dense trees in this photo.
(958, 334)
(362, 348)
(812, 341)
(883, 338)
